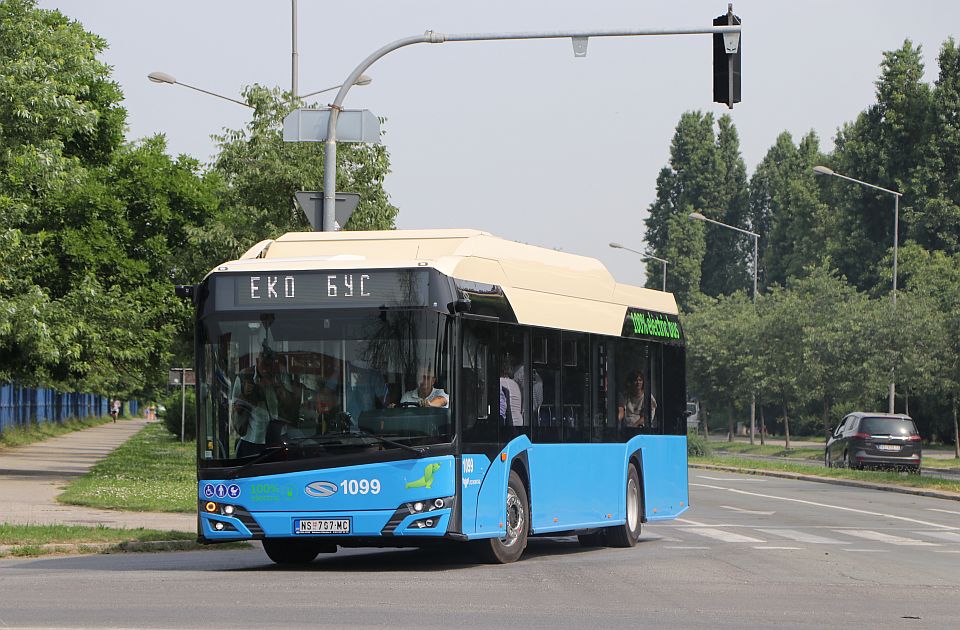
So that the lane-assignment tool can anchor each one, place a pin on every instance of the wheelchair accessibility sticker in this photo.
(221, 490)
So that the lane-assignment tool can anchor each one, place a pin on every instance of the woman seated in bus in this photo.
(425, 394)
(631, 408)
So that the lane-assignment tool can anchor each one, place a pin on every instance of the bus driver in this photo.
(425, 394)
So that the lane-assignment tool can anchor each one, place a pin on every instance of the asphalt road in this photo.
(752, 552)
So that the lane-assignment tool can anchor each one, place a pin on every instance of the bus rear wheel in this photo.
(626, 535)
(511, 546)
(295, 551)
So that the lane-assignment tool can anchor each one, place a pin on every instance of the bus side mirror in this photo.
(460, 306)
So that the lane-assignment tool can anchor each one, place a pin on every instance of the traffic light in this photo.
(726, 66)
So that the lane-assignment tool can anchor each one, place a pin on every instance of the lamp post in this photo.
(756, 247)
(650, 256)
(163, 77)
(823, 170)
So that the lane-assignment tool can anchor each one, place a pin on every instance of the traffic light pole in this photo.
(579, 39)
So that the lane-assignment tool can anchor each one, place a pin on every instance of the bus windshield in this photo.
(314, 383)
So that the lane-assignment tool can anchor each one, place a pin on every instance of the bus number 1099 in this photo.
(362, 486)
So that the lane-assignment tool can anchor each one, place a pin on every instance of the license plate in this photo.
(321, 526)
(888, 447)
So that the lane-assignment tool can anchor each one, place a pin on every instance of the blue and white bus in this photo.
(394, 388)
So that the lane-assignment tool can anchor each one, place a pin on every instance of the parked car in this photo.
(693, 415)
(874, 439)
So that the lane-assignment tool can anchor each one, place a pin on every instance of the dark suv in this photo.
(874, 439)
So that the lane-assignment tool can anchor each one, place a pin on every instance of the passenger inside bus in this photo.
(632, 406)
(511, 400)
(250, 414)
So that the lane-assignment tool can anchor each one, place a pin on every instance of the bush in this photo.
(697, 446)
(171, 414)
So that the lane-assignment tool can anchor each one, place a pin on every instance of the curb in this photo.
(127, 546)
(922, 492)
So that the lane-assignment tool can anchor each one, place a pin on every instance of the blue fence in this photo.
(23, 406)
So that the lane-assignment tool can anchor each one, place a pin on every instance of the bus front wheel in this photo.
(626, 535)
(295, 551)
(511, 546)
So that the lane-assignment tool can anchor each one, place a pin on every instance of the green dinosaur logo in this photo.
(427, 480)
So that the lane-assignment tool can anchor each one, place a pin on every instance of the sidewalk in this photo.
(32, 476)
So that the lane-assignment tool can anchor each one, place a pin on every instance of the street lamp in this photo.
(697, 216)
(163, 77)
(361, 80)
(823, 170)
(650, 256)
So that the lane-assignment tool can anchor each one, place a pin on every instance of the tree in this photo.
(934, 222)
(93, 230)
(724, 268)
(684, 249)
(261, 173)
(722, 342)
(891, 144)
(838, 345)
(780, 352)
(935, 276)
(786, 211)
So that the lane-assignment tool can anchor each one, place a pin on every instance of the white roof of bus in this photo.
(545, 287)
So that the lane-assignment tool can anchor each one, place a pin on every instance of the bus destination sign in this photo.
(650, 325)
(323, 289)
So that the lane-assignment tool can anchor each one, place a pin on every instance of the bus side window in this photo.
(634, 400)
(604, 415)
(478, 414)
(512, 382)
(575, 381)
(655, 389)
(546, 366)
(673, 387)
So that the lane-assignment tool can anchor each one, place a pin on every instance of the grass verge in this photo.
(875, 476)
(80, 534)
(20, 436)
(40, 540)
(151, 472)
(771, 450)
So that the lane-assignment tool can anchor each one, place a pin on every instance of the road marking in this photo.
(799, 536)
(699, 524)
(946, 551)
(944, 511)
(719, 534)
(869, 550)
(729, 478)
(743, 511)
(886, 538)
(679, 547)
(782, 548)
(950, 536)
(832, 507)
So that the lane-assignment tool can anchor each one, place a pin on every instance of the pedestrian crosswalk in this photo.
(689, 536)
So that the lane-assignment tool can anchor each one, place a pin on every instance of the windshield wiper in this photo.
(365, 434)
(256, 460)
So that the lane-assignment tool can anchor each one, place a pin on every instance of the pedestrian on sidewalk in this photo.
(115, 408)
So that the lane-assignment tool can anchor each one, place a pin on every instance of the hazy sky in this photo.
(517, 138)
